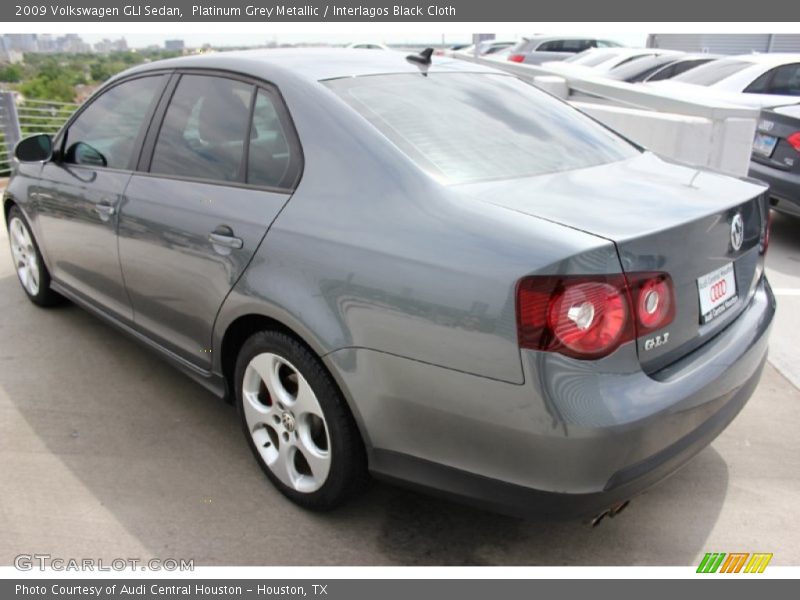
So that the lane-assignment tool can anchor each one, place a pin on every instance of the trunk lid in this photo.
(661, 216)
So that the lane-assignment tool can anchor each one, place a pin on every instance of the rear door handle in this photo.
(225, 240)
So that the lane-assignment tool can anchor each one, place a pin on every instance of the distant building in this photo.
(47, 42)
(32, 42)
(105, 46)
(726, 43)
(11, 56)
(174, 45)
(72, 42)
(22, 42)
(7, 54)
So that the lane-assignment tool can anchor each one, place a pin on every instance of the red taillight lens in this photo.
(794, 140)
(654, 300)
(516, 58)
(765, 233)
(588, 318)
(591, 316)
(580, 316)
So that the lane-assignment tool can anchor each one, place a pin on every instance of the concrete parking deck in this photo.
(106, 451)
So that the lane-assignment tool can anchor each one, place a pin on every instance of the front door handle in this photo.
(104, 209)
(223, 236)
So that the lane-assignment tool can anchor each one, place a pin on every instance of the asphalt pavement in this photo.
(107, 452)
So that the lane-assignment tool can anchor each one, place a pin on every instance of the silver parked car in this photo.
(541, 48)
(433, 272)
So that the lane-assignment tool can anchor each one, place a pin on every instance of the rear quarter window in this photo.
(464, 127)
(712, 72)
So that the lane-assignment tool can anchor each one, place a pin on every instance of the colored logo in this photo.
(734, 562)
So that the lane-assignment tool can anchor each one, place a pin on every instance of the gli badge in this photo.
(737, 231)
(656, 342)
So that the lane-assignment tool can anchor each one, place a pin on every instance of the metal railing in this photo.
(23, 117)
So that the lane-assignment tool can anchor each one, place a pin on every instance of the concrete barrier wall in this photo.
(722, 144)
(696, 131)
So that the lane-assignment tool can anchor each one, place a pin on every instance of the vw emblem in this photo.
(737, 231)
(288, 422)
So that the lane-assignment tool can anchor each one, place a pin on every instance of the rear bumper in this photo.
(784, 187)
(516, 500)
(572, 441)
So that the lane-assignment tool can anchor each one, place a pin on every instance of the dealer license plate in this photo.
(717, 291)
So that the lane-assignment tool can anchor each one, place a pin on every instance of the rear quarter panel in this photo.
(372, 253)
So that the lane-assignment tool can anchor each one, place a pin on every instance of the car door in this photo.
(80, 191)
(217, 171)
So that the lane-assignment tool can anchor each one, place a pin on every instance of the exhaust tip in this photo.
(618, 508)
(609, 512)
(598, 519)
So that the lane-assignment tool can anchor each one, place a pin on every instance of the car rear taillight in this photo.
(516, 58)
(653, 297)
(590, 316)
(765, 232)
(794, 140)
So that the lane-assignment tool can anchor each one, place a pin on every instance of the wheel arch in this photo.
(8, 203)
(243, 326)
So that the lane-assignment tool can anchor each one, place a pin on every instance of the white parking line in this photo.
(786, 291)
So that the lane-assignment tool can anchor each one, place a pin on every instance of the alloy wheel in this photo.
(26, 260)
(286, 422)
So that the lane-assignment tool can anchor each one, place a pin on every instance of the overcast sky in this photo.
(139, 40)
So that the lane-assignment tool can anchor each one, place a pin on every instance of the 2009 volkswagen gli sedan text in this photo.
(431, 272)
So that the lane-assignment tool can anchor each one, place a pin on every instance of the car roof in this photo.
(312, 64)
(771, 58)
(547, 38)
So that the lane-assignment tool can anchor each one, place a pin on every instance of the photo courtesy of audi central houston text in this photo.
(409, 267)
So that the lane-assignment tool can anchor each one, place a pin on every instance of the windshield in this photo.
(712, 72)
(463, 127)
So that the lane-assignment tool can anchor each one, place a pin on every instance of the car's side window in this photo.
(204, 129)
(271, 161)
(786, 81)
(575, 45)
(554, 46)
(105, 133)
(759, 86)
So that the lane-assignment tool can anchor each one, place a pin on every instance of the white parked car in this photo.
(751, 79)
(602, 60)
(368, 46)
(485, 48)
(609, 58)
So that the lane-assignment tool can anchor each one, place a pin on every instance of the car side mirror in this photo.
(82, 153)
(36, 148)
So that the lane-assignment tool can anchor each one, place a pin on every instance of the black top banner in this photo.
(400, 10)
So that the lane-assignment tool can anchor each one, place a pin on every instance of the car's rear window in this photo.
(712, 72)
(463, 127)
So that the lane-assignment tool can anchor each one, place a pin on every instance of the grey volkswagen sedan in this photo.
(427, 271)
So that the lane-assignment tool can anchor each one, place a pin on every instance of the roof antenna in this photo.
(422, 59)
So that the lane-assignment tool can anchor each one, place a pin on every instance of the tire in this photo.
(31, 270)
(297, 423)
